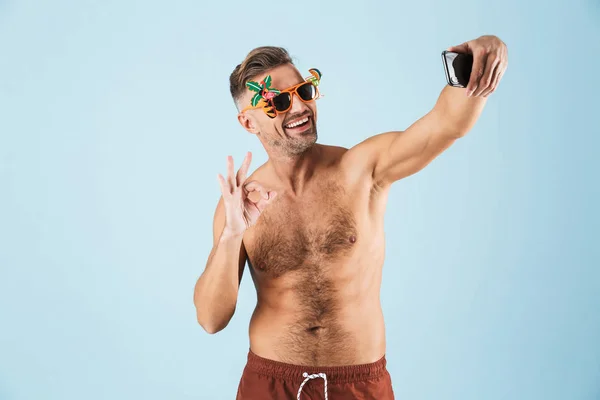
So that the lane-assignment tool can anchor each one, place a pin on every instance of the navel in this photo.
(315, 330)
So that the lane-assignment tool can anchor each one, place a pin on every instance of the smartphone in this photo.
(458, 68)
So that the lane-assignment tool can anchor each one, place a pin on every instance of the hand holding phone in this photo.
(458, 68)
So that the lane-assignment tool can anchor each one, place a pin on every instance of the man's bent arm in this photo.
(394, 155)
(216, 291)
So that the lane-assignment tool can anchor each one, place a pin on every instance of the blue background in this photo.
(115, 118)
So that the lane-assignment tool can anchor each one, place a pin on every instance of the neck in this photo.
(295, 171)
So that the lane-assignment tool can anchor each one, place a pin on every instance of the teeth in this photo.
(295, 124)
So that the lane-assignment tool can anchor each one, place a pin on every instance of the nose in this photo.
(298, 105)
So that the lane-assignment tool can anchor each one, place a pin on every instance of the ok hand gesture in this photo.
(240, 212)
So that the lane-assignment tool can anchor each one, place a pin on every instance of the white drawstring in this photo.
(312, 376)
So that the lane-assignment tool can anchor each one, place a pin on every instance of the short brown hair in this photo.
(258, 61)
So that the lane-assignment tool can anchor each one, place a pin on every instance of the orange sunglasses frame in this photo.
(292, 90)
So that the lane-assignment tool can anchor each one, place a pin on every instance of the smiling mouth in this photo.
(298, 123)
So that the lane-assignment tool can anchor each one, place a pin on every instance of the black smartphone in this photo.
(458, 68)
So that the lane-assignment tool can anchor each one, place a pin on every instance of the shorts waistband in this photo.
(339, 374)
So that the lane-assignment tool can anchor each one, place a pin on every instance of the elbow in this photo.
(209, 328)
(212, 323)
(453, 133)
(461, 133)
(213, 315)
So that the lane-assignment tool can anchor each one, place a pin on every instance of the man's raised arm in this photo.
(392, 156)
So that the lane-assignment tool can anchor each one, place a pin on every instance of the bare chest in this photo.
(293, 235)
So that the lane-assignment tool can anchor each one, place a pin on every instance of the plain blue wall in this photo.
(115, 119)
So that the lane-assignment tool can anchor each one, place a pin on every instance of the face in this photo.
(292, 132)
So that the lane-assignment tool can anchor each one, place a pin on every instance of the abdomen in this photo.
(319, 321)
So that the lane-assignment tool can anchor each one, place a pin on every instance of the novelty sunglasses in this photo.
(274, 101)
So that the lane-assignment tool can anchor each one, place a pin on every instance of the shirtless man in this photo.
(310, 224)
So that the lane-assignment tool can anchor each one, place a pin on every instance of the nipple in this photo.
(352, 239)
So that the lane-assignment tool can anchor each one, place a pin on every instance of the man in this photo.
(310, 224)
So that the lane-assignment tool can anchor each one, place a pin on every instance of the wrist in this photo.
(231, 234)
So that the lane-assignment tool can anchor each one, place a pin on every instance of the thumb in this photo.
(461, 48)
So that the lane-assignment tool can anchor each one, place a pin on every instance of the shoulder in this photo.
(261, 173)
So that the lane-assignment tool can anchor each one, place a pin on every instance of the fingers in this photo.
(230, 173)
(491, 67)
(479, 61)
(243, 171)
(479, 65)
(253, 210)
(225, 188)
(461, 48)
(263, 203)
(490, 59)
(497, 74)
(233, 181)
(254, 186)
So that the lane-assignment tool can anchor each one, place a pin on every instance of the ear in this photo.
(247, 123)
